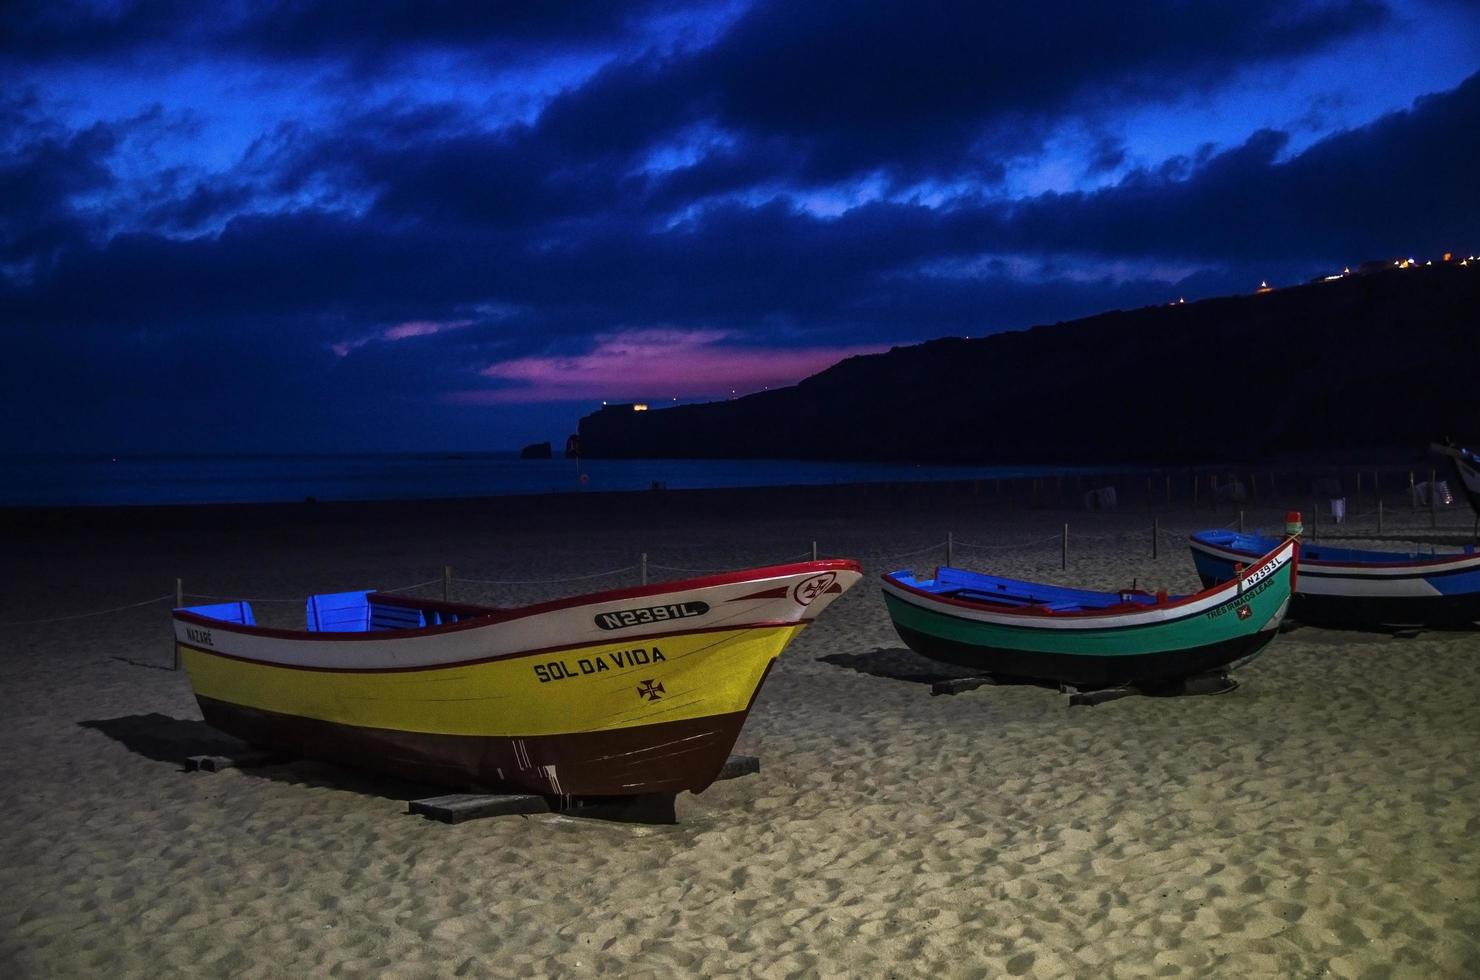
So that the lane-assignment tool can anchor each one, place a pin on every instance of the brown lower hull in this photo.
(668, 757)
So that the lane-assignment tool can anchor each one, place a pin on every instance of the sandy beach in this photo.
(1323, 819)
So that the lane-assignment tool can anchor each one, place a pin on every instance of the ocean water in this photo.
(79, 481)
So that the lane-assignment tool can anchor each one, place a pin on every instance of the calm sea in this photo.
(72, 481)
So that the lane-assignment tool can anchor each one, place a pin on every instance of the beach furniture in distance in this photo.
(1006, 628)
(613, 694)
(1357, 589)
(1466, 464)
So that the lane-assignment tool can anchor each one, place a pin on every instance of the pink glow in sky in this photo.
(411, 328)
(655, 365)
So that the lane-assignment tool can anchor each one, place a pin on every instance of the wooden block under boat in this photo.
(457, 807)
(648, 808)
(242, 760)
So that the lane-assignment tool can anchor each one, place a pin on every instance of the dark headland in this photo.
(1365, 361)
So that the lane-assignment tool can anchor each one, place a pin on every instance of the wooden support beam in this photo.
(458, 807)
(959, 685)
(656, 808)
(739, 765)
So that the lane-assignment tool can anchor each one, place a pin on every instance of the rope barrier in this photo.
(725, 568)
(302, 598)
(1332, 531)
(86, 615)
(418, 585)
(231, 598)
(1008, 547)
(938, 546)
(544, 581)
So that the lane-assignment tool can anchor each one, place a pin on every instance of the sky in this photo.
(308, 226)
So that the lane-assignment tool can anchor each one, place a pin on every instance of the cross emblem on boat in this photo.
(652, 690)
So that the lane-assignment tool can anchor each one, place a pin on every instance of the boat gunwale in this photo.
(497, 616)
(1108, 619)
(1319, 566)
(495, 658)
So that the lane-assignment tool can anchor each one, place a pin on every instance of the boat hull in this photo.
(624, 707)
(1443, 592)
(666, 757)
(1214, 630)
(1087, 670)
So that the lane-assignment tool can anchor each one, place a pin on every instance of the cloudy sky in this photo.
(307, 225)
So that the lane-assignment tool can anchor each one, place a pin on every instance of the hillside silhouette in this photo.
(1377, 360)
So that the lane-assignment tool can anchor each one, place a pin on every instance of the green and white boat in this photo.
(1007, 628)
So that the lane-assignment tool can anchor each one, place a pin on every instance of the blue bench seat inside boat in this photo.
(956, 583)
(1311, 551)
(227, 612)
(360, 612)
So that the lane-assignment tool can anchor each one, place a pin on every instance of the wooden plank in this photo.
(739, 765)
(457, 807)
(1092, 698)
(958, 685)
(645, 808)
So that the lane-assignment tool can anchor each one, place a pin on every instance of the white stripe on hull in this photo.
(566, 627)
(1329, 578)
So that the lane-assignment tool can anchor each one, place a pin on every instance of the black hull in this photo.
(1374, 612)
(1086, 671)
(667, 757)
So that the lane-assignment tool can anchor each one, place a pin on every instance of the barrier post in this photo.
(1240, 522)
(1379, 516)
(179, 602)
(950, 550)
(1064, 550)
(814, 550)
(1155, 535)
(1433, 502)
(642, 566)
(446, 583)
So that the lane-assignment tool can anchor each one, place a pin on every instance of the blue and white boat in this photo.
(1348, 588)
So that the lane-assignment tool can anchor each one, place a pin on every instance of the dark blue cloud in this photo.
(819, 175)
(368, 31)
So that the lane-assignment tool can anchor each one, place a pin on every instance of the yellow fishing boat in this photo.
(619, 693)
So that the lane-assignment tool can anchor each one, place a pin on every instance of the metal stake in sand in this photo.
(950, 550)
(1379, 515)
(179, 603)
(1155, 534)
(1064, 549)
(642, 566)
(446, 582)
(814, 550)
(1433, 502)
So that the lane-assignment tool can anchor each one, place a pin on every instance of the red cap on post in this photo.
(1293, 527)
